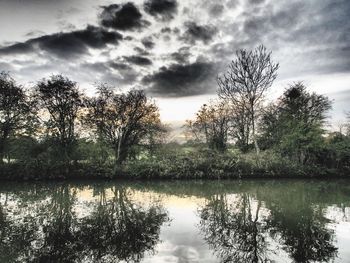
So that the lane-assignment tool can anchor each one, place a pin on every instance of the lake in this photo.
(181, 221)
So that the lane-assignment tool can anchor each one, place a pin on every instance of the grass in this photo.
(179, 164)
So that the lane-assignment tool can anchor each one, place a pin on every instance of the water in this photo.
(228, 221)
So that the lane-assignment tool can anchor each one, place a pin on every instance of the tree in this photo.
(62, 100)
(296, 122)
(246, 81)
(119, 229)
(122, 120)
(347, 125)
(299, 222)
(234, 231)
(270, 129)
(212, 125)
(241, 122)
(16, 113)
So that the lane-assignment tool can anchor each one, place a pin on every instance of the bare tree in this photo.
(211, 125)
(62, 100)
(123, 120)
(246, 81)
(240, 131)
(16, 113)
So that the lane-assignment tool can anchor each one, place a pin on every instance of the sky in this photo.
(175, 49)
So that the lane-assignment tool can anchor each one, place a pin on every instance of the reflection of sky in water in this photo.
(182, 240)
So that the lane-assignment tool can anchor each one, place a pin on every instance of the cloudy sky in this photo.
(175, 48)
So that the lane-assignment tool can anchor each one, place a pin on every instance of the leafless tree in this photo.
(246, 81)
(211, 125)
(240, 131)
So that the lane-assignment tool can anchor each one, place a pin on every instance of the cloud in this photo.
(17, 48)
(166, 30)
(141, 51)
(138, 60)
(182, 55)
(148, 42)
(164, 9)
(178, 80)
(306, 37)
(5, 67)
(122, 17)
(66, 44)
(195, 32)
(119, 66)
(112, 72)
(256, 2)
(216, 10)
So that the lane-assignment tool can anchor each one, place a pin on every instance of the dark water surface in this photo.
(227, 221)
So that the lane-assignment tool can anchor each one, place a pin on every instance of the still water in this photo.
(227, 221)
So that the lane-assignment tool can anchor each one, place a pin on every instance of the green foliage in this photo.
(16, 112)
(61, 100)
(124, 137)
(335, 152)
(294, 126)
(123, 120)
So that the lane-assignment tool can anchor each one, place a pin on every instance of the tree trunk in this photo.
(120, 154)
(2, 152)
(257, 149)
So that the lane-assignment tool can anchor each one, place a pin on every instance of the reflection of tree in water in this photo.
(234, 230)
(300, 227)
(120, 229)
(117, 229)
(59, 223)
(16, 236)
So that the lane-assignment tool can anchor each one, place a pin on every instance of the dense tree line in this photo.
(237, 134)
(293, 126)
(55, 117)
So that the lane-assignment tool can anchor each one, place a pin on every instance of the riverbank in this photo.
(212, 167)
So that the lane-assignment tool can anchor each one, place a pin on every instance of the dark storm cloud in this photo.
(66, 44)
(164, 9)
(179, 80)
(148, 43)
(119, 65)
(268, 23)
(182, 55)
(18, 48)
(122, 17)
(111, 72)
(141, 51)
(138, 60)
(165, 30)
(298, 22)
(305, 37)
(195, 32)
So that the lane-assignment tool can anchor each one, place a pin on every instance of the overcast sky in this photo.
(175, 48)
